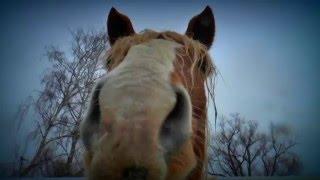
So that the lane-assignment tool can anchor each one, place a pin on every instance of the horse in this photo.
(147, 117)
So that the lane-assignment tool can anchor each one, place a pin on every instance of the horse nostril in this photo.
(135, 173)
(180, 107)
(177, 125)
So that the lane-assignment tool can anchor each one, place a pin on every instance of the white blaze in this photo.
(141, 82)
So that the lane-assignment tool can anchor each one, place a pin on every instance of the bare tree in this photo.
(240, 149)
(276, 156)
(59, 107)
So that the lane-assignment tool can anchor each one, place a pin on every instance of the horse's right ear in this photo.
(202, 27)
(118, 25)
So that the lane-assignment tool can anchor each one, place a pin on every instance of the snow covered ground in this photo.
(219, 178)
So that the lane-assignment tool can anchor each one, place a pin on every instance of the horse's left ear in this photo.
(119, 25)
(202, 27)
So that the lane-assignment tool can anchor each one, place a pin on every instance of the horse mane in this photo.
(197, 53)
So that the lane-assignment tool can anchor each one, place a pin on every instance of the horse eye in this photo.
(160, 36)
(108, 62)
(203, 65)
(94, 111)
(90, 124)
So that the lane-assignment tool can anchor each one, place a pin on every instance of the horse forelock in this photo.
(191, 50)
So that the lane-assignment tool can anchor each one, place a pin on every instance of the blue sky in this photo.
(267, 53)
